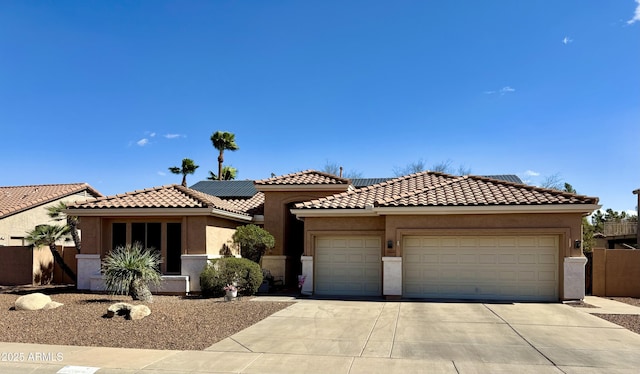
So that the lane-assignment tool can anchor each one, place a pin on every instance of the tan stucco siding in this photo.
(219, 233)
(196, 240)
(276, 212)
(91, 235)
(17, 225)
(568, 226)
(614, 271)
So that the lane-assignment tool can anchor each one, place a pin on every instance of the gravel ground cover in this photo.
(175, 322)
(628, 321)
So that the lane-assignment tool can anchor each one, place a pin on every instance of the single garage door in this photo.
(481, 267)
(348, 265)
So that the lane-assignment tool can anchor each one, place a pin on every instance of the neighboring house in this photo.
(624, 234)
(22, 208)
(425, 235)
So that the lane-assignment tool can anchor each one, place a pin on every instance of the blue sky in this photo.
(112, 93)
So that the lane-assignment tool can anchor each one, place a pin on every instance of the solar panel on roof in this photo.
(243, 188)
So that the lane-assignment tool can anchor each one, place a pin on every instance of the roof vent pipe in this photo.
(340, 171)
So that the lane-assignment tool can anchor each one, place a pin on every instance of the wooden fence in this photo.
(616, 272)
(20, 265)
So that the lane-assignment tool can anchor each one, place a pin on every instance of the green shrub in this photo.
(130, 269)
(220, 272)
(254, 241)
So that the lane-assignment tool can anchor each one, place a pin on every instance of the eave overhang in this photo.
(230, 215)
(157, 212)
(446, 210)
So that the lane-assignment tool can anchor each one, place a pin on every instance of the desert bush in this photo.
(245, 274)
(254, 241)
(130, 269)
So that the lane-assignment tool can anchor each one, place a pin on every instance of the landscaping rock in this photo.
(128, 311)
(32, 301)
(53, 305)
(120, 309)
(139, 312)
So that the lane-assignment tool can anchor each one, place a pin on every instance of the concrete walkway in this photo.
(320, 336)
(607, 306)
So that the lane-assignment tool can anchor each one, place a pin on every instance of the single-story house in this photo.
(424, 235)
(22, 208)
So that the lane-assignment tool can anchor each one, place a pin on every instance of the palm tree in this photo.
(188, 167)
(223, 141)
(57, 213)
(48, 235)
(228, 173)
(130, 269)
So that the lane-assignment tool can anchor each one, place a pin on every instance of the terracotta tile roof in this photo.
(172, 196)
(253, 205)
(438, 189)
(14, 199)
(302, 178)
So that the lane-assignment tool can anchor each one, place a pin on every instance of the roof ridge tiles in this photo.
(302, 173)
(46, 185)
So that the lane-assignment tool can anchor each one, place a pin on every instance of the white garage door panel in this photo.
(348, 266)
(506, 267)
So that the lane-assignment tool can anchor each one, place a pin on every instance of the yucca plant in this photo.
(130, 269)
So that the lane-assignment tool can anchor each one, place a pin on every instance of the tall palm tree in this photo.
(188, 167)
(57, 213)
(223, 141)
(228, 173)
(48, 235)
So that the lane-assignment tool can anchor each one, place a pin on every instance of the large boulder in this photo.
(35, 301)
(128, 311)
(52, 305)
(139, 312)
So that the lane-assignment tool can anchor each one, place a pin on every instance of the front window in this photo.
(118, 235)
(165, 237)
(147, 234)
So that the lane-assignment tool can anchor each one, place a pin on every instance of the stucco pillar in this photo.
(88, 266)
(574, 278)
(192, 266)
(392, 276)
(307, 271)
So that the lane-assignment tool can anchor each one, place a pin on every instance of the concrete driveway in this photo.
(383, 337)
(352, 337)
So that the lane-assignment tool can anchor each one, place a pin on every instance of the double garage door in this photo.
(500, 267)
(481, 267)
